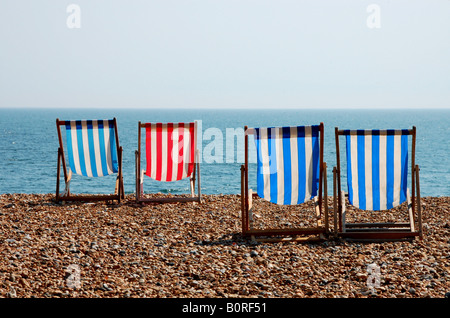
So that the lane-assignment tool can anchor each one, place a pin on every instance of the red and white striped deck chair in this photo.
(93, 150)
(171, 155)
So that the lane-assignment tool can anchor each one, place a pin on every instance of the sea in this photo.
(29, 145)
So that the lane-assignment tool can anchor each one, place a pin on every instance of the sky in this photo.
(225, 53)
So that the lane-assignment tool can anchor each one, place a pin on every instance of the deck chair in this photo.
(93, 150)
(377, 171)
(171, 155)
(290, 171)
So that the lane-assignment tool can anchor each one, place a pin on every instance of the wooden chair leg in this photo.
(58, 174)
(317, 208)
(120, 194)
(250, 209)
(419, 207)
(335, 203)
(67, 182)
(243, 212)
(325, 197)
(410, 211)
(342, 216)
(192, 187)
(117, 186)
(199, 190)
(141, 183)
(137, 175)
(193, 180)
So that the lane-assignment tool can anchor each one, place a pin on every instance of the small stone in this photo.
(24, 282)
(12, 293)
(106, 287)
(12, 277)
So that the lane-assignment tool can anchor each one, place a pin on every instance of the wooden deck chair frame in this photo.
(300, 234)
(377, 231)
(67, 195)
(195, 177)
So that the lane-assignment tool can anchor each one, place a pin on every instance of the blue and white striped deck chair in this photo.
(93, 150)
(290, 171)
(377, 172)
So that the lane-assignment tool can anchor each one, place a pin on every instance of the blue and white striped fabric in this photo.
(377, 168)
(91, 147)
(287, 163)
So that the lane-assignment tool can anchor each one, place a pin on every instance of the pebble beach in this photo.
(191, 250)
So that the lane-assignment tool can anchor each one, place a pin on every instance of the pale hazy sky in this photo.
(225, 53)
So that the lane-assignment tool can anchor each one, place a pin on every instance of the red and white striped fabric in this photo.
(170, 150)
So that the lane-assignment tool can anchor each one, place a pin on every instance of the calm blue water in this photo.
(29, 143)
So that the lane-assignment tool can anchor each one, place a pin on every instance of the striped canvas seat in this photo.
(170, 150)
(289, 171)
(287, 163)
(93, 150)
(171, 155)
(91, 147)
(377, 173)
(377, 168)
